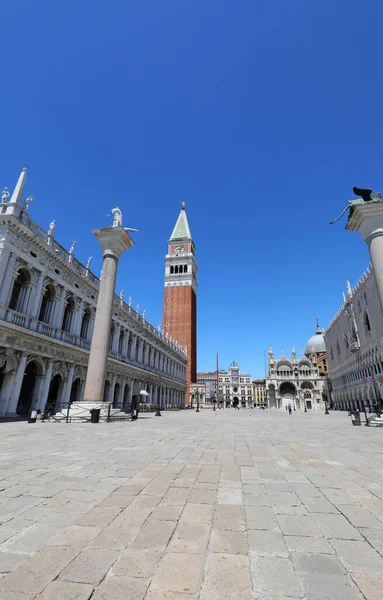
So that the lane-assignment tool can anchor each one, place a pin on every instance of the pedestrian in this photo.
(289, 409)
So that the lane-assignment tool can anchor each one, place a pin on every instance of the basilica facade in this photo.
(298, 382)
(47, 309)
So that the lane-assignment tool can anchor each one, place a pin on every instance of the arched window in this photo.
(365, 299)
(120, 342)
(366, 322)
(185, 268)
(337, 347)
(69, 312)
(332, 354)
(171, 270)
(176, 270)
(111, 337)
(85, 325)
(346, 344)
(19, 296)
(47, 304)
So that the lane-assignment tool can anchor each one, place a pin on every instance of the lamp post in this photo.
(304, 400)
(197, 409)
(326, 407)
(213, 402)
(158, 412)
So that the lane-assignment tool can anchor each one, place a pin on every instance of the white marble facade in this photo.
(47, 309)
(355, 349)
(296, 381)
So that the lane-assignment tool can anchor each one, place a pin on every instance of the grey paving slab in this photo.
(178, 507)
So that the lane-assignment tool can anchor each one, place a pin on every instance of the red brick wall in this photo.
(179, 321)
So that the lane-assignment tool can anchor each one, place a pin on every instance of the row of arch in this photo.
(49, 386)
(176, 269)
(76, 319)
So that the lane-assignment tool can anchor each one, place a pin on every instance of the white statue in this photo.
(89, 261)
(4, 196)
(72, 248)
(122, 295)
(52, 226)
(130, 301)
(137, 308)
(167, 335)
(270, 351)
(293, 352)
(349, 290)
(344, 298)
(27, 202)
(117, 216)
(159, 328)
(143, 314)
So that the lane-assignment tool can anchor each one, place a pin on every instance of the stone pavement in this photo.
(232, 505)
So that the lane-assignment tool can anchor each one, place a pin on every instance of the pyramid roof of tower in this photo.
(181, 229)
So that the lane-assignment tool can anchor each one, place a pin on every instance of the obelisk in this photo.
(114, 241)
(366, 217)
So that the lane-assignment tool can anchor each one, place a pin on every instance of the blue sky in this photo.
(261, 116)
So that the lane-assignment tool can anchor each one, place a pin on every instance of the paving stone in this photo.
(190, 538)
(308, 544)
(65, 590)
(157, 595)
(117, 500)
(228, 542)
(319, 586)
(132, 517)
(275, 575)
(371, 586)
(358, 556)
(164, 512)
(335, 527)
(137, 563)
(298, 525)
(9, 561)
(227, 577)
(317, 563)
(229, 496)
(176, 496)
(260, 518)
(122, 588)
(99, 517)
(267, 543)
(229, 512)
(154, 535)
(319, 505)
(179, 573)
(202, 497)
(197, 513)
(360, 517)
(31, 540)
(76, 535)
(90, 566)
(114, 538)
(16, 596)
(38, 571)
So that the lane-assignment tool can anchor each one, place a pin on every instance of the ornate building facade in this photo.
(47, 309)
(355, 349)
(234, 388)
(180, 298)
(259, 387)
(297, 381)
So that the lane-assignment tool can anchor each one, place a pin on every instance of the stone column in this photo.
(36, 295)
(125, 344)
(114, 241)
(367, 219)
(68, 388)
(59, 310)
(45, 387)
(133, 348)
(78, 316)
(12, 407)
(7, 280)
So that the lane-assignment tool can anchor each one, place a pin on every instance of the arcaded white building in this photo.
(354, 347)
(297, 381)
(47, 307)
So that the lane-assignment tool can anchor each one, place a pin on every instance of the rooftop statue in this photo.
(364, 196)
(89, 261)
(27, 202)
(4, 195)
(117, 216)
(52, 226)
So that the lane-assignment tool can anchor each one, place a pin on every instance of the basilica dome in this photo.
(316, 343)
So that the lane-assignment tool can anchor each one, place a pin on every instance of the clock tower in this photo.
(180, 300)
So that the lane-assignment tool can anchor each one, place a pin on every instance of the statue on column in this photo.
(117, 216)
(89, 261)
(143, 314)
(71, 250)
(4, 196)
(130, 301)
(122, 297)
(27, 202)
(51, 229)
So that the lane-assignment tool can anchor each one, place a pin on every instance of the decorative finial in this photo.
(130, 301)
(349, 290)
(25, 169)
(183, 205)
(89, 261)
(283, 352)
(344, 298)
(293, 352)
(72, 247)
(143, 314)
(122, 296)
(137, 308)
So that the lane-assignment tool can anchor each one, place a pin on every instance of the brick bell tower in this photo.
(180, 301)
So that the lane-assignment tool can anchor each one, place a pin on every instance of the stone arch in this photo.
(47, 304)
(85, 323)
(116, 395)
(32, 374)
(20, 291)
(54, 395)
(69, 312)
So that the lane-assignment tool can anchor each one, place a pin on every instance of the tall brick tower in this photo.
(180, 301)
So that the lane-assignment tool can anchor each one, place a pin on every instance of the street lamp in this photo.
(213, 402)
(197, 409)
(192, 398)
(158, 412)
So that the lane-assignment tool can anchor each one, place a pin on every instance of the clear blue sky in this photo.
(260, 115)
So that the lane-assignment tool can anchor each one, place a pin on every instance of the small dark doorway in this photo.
(235, 401)
(54, 388)
(27, 389)
(116, 395)
(75, 391)
(308, 404)
(106, 390)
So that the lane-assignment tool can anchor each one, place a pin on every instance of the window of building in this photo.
(337, 347)
(366, 322)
